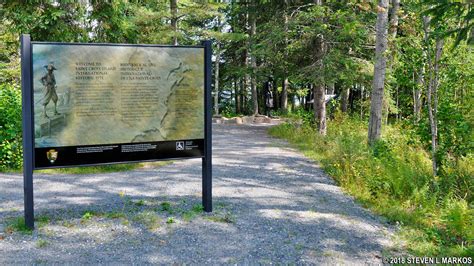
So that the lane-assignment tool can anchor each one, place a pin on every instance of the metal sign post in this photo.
(27, 109)
(207, 159)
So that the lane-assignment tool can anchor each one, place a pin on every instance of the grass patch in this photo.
(85, 170)
(17, 225)
(166, 207)
(88, 215)
(42, 220)
(92, 169)
(115, 215)
(68, 224)
(197, 208)
(192, 213)
(148, 218)
(140, 203)
(394, 179)
(188, 216)
(41, 243)
(103, 168)
(222, 218)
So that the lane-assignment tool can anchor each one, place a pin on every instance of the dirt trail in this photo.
(271, 205)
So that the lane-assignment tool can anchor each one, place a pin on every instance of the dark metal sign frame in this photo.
(28, 126)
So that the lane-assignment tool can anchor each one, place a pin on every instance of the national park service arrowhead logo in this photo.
(52, 155)
(180, 145)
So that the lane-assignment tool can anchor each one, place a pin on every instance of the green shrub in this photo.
(10, 127)
(394, 178)
(458, 219)
(227, 110)
(457, 178)
(17, 225)
(306, 116)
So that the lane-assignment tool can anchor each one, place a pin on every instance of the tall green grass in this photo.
(84, 170)
(394, 179)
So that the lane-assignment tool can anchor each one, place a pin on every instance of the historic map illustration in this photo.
(88, 95)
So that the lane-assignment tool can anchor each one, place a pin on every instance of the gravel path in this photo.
(272, 205)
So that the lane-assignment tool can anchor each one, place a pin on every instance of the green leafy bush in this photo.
(457, 178)
(394, 178)
(306, 116)
(10, 127)
(227, 110)
(459, 221)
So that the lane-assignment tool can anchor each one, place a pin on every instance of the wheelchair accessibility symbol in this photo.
(180, 145)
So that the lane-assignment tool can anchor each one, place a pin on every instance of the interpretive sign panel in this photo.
(112, 103)
(87, 104)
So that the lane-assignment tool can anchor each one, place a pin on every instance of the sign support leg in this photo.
(207, 159)
(27, 102)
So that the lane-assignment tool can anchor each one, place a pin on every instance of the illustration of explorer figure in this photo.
(49, 82)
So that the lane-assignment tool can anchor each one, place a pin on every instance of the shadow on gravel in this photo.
(271, 205)
(259, 233)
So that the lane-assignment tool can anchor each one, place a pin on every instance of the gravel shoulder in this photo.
(272, 205)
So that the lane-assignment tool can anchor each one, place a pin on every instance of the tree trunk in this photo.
(308, 96)
(216, 79)
(394, 18)
(362, 97)
(253, 61)
(174, 20)
(253, 84)
(276, 96)
(398, 103)
(284, 95)
(429, 93)
(432, 90)
(417, 96)
(345, 99)
(243, 90)
(245, 63)
(376, 102)
(237, 85)
(284, 91)
(392, 33)
(319, 105)
(434, 112)
(331, 88)
(244, 98)
(417, 101)
(319, 92)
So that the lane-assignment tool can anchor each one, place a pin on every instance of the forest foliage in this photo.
(317, 57)
(394, 179)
